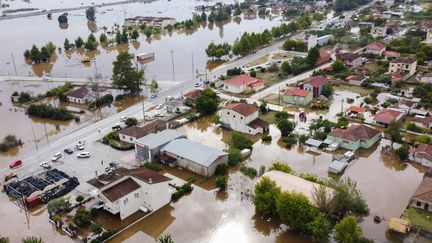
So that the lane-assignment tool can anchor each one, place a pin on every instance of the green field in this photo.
(419, 218)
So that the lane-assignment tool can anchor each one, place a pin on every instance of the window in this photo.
(131, 139)
(125, 201)
(136, 194)
(124, 136)
(234, 116)
(228, 113)
(241, 117)
(418, 204)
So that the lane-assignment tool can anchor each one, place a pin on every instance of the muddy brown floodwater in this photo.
(209, 216)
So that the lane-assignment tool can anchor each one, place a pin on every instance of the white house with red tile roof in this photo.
(387, 116)
(422, 154)
(375, 48)
(314, 85)
(298, 97)
(243, 83)
(422, 121)
(242, 117)
(422, 197)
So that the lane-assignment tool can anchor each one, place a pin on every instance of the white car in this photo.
(159, 115)
(56, 157)
(45, 165)
(123, 119)
(81, 155)
(160, 106)
(197, 85)
(46, 79)
(79, 145)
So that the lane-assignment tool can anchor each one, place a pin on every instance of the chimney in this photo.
(150, 180)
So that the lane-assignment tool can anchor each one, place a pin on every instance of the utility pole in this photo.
(342, 106)
(193, 68)
(46, 133)
(13, 60)
(172, 61)
(279, 96)
(34, 137)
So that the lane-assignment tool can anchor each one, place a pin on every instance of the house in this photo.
(176, 106)
(298, 97)
(323, 58)
(242, 117)
(422, 197)
(392, 14)
(403, 64)
(314, 85)
(193, 95)
(375, 48)
(292, 183)
(193, 156)
(355, 111)
(365, 25)
(243, 83)
(160, 22)
(356, 79)
(355, 137)
(422, 154)
(422, 121)
(426, 78)
(132, 133)
(148, 147)
(387, 116)
(350, 59)
(378, 31)
(79, 96)
(126, 191)
(406, 105)
(389, 55)
(324, 40)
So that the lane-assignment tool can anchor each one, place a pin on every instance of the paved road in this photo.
(43, 79)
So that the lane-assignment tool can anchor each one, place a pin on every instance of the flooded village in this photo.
(215, 121)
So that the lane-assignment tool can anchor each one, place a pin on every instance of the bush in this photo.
(221, 169)
(104, 236)
(265, 193)
(9, 142)
(290, 140)
(181, 191)
(253, 74)
(24, 97)
(262, 70)
(234, 72)
(261, 170)
(82, 218)
(239, 141)
(94, 212)
(402, 152)
(153, 166)
(267, 138)
(96, 228)
(280, 166)
(348, 197)
(104, 100)
(249, 171)
(131, 121)
(79, 198)
(58, 206)
(234, 156)
(222, 183)
(49, 112)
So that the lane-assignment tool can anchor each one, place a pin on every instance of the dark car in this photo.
(68, 151)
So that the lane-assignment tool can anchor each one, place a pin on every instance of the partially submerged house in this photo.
(81, 95)
(132, 133)
(422, 121)
(243, 83)
(126, 191)
(355, 137)
(422, 197)
(422, 154)
(242, 117)
(387, 116)
(297, 97)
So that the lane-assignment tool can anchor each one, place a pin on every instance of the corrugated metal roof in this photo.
(193, 151)
(157, 139)
(313, 142)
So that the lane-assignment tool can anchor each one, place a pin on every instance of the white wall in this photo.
(130, 203)
(237, 121)
(236, 89)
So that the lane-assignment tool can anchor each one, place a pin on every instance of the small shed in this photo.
(337, 166)
(313, 145)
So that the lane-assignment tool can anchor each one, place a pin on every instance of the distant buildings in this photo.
(375, 48)
(298, 97)
(243, 83)
(313, 40)
(378, 31)
(350, 59)
(403, 64)
(422, 155)
(314, 85)
(355, 137)
(125, 191)
(242, 117)
(160, 22)
(422, 197)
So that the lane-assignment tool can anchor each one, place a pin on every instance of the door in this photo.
(426, 206)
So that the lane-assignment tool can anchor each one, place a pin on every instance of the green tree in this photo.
(124, 36)
(234, 156)
(131, 121)
(45, 55)
(208, 102)
(285, 126)
(263, 107)
(347, 231)
(82, 218)
(32, 239)
(125, 76)
(96, 228)
(154, 84)
(58, 205)
(286, 68)
(79, 42)
(295, 210)
(27, 55)
(327, 90)
(134, 35)
(323, 199)
(265, 194)
(402, 152)
(165, 239)
(66, 44)
(313, 56)
(338, 66)
(222, 183)
(103, 38)
(319, 229)
(393, 132)
(91, 13)
(239, 141)
(348, 197)
(4, 239)
(342, 122)
(35, 54)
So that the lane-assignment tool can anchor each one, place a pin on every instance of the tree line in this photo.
(43, 54)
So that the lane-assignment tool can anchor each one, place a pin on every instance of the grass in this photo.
(371, 66)
(260, 60)
(353, 88)
(419, 218)
(268, 117)
(269, 78)
(281, 56)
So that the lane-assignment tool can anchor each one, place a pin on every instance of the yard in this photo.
(259, 61)
(419, 218)
(355, 89)
(270, 78)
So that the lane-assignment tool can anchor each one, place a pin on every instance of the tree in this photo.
(295, 210)
(338, 66)
(286, 68)
(66, 44)
(57, 206)
(322, 199)
(319, 229)
(4, 239)
(91, 13)
(313, 56)
(82, 218)
(124, 36)
(263, 107)
(402, 152)
(393, 132)
(96, 228)
(32, 239)
(165, 239)
(342, 122)
(348, 197)
(234, 156)
(154, 84)
(125, 76)
(45, 55)
(222, 183)
(265, 194)
(208, 102)
(285, 126)
(239, 141)
(131, 121)
(79, 42)
(103, 38)
(347, 231)
(134, 35)
(35, 54)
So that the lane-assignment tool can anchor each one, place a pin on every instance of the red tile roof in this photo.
(316, 81)
(347, 56)
(357, 109)
(425, 120)
(242, 80)
(392, 54)
(376, 46)
(424, 190)
(386, 116)
(242, 108)
(296, 92)
(138, 132)
(121, 189)
(194, 94)
(355, 133)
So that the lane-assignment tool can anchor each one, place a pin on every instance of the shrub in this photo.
(131, 121)
(79, 198)
(280, 166)
(153, 166)
(82, 218)
(348, 197)
(104, 100)
(234, 156)
(265, 193)
(104, 236)
(253, 74)
(290, 140)
(9, 142)
(402, 152)
(222, 183)
(261, 170)
(94, 212)
(221, 169)
(24, 97)
(49, 112)
(239, 141)
(96, 228)
(267, 138)
(262, 70)
(182, 190)
(58, 206)
(249, 171)
(234, 71)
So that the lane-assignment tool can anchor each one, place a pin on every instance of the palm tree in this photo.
(32, 239)
(165, 239)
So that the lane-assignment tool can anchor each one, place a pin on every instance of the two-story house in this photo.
(379, 31)
(403, 64)
(314, 85)
(242, 117)
(350, 59)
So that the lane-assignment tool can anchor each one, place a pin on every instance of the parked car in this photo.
(153, 95)
(15, 164)
(116, 127)
(46, 78)
(83, 155)
(160, 106)
(170, 98)
(159, 114)
(45, 165)
(56, 157)
(68, 151)
(197, 85)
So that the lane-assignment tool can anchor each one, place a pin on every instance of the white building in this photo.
(242, 117)
(125, 191)
(378, 31)
(79, 96)
(243, 83)
(132, 133)
(403, 64)
(147, 148)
